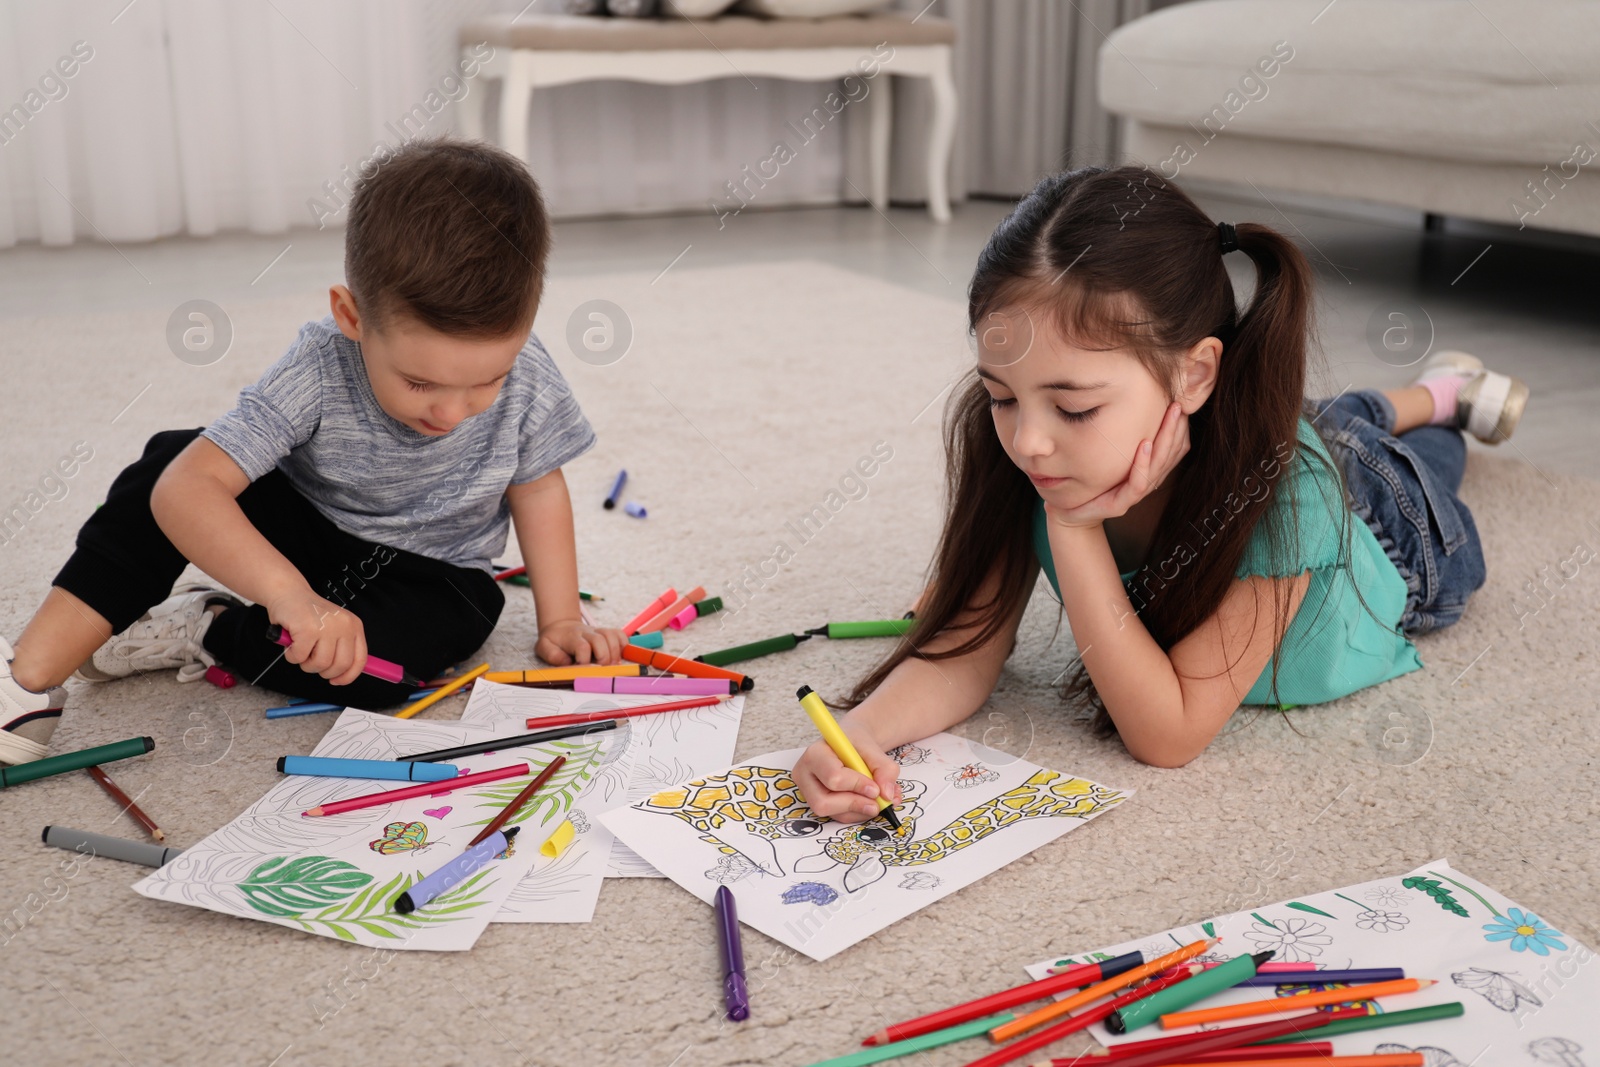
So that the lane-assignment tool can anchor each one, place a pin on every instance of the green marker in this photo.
(1375, 1022)
(873, 628)
(781, 643)
(1147, 1010)
(917, 1044)
(75, 761)
(707, 606)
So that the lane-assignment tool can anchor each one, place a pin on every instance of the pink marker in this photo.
(378, 668)
(683, 618)
(655, 686)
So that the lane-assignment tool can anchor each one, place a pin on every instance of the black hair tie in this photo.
(1230, 239)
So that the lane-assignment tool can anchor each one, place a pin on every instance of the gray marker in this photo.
(117, 848)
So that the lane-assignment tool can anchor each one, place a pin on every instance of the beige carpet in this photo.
(745, 398)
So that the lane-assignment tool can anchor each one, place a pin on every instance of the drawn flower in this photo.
(1381, 921)
(1295, 940)
(1525, 931)
(970, 775)
(1387, 895)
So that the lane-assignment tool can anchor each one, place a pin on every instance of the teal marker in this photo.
(1147, 1010)
(917, 1044)
(394, 770)
(653, 639)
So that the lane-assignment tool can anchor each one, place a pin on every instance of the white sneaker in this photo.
(1489, 405)
(27, 719)
(169, 635)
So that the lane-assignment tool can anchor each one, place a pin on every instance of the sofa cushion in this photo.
(1491, 80)
(572, 33)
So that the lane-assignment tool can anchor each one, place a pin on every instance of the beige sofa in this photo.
(1482, 109)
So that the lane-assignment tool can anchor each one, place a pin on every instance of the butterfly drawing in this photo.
(511, 850)
(1497, 988)
(401, 837)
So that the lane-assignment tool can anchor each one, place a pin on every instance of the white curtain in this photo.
(196, 116)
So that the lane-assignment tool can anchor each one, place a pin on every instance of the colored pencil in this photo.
(1293, 1003)
(1381, 1059)
(678, 665)
(632, 626)
(545, 675)
(659, 620)
(1074, 978)
(381, 669)
(579, 717)
(74, 761)
(1095, 992)
(1108, 1057)
(520, 799)
(442, 692)
(1206, 1041)
(1131, 1048)
(1205, 984)
(1351, 976)
(510, 572)
(422, 789)
(1358, 1020)
(879, 1053)
(1080, 1022)
(127, 803)
(495, 744)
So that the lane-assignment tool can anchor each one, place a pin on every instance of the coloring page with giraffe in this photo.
(662, 750)
(339, 875)
(819, 886)
(1529, 990)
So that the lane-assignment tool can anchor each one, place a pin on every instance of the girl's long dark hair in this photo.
(1118, 258)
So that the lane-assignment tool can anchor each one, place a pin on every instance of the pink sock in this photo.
(1444, 389)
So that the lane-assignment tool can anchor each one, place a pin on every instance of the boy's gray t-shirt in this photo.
(314, 417)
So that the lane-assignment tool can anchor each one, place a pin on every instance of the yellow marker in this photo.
(558, 841)
(841, 745)
(442, 692)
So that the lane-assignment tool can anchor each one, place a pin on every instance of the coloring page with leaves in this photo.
(1528, 996)
(820, 886)
(664, 749)
(339, 875)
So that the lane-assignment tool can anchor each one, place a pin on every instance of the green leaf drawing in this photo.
(1295, 904)
(285, 888)
(1209, 928)
(555, 798)
(1469, 889)
(1435, 890)
(1268, 923)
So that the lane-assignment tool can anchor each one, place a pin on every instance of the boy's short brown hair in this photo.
(450, 234)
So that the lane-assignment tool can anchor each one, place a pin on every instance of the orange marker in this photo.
(1007, 1031)
(1293, 1003)
(688, 667)
(662, 617)
(557, 675)
(650, 612)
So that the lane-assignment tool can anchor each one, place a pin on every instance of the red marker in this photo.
(648, 613)
(378, 668)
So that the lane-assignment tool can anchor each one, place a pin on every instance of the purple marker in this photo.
(616, 490)
(733, 987)
(693, 687)
(634, 509)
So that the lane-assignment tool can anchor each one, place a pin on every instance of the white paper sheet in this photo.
(663, 749)
(1523, 1005)
(338, 875)
(820, 886)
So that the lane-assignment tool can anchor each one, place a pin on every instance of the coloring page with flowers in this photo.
(1528, 994)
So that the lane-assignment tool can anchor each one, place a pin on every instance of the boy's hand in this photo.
(574, 641)
(328, 639)
(843, 795)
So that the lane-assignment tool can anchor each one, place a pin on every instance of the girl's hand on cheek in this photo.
(1152, 462)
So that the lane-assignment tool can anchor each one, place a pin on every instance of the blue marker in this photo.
(636, 510)
(455, 872)
(302, 706)
(653, 639)
(395, 770)
(616, 490)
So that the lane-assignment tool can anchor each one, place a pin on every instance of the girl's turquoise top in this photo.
(1334, 645)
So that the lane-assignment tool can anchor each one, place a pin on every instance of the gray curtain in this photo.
(1026, 73)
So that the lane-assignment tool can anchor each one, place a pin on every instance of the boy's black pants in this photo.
(419, 612)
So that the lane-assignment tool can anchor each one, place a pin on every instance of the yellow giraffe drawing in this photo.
(870, 850)
(763, 800)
